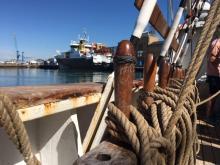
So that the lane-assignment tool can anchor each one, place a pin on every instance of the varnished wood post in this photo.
(150, 69)
(164, 71)
(124, 75)
(183, 72)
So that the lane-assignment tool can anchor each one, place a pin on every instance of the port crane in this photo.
(16, 47)
(17, 51)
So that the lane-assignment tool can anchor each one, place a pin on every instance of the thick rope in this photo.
(167, 131)
(14, 127)
(210, 26)
(145, 132)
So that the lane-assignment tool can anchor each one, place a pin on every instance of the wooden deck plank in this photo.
(209, 137)
(209, 142)
(215, 143)
(208, 155)
(208, 134)
(205, 144)
(200, 155)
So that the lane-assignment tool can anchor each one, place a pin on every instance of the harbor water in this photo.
(33, 76)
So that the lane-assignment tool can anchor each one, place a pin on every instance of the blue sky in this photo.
(44, 26)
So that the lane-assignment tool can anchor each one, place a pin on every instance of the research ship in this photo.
(85, 55)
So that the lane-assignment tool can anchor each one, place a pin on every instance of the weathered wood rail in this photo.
(33, 102)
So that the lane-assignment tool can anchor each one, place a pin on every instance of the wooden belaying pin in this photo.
(164, 71)
(124, 62)
(177, 72)
(183, 72)
(150, 70)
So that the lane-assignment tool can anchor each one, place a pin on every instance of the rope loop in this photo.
(124, 59)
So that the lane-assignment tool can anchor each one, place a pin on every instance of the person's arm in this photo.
(215, 51)
(212, 58)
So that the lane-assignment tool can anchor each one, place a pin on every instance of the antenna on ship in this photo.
(84, 35)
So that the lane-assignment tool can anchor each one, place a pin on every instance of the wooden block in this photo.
(108, 154)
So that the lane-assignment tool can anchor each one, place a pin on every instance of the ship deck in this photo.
(209, 140)
(23, 97)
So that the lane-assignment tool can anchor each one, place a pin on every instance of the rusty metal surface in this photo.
(51, 108)
(26, 96)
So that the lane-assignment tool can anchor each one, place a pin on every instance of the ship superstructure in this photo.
(85, 55)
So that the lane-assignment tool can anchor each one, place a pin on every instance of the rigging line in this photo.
(189, 40)
(180, 60)
(185, 38)
(208, 99)
(176, 56)
(191, 24)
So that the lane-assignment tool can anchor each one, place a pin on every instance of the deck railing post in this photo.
(124, 75)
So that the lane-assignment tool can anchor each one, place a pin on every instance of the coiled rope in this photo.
(146, 129)
(14, 127)
(213, 20)
(165, 131)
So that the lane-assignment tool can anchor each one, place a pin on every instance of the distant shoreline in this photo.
(18, 65)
